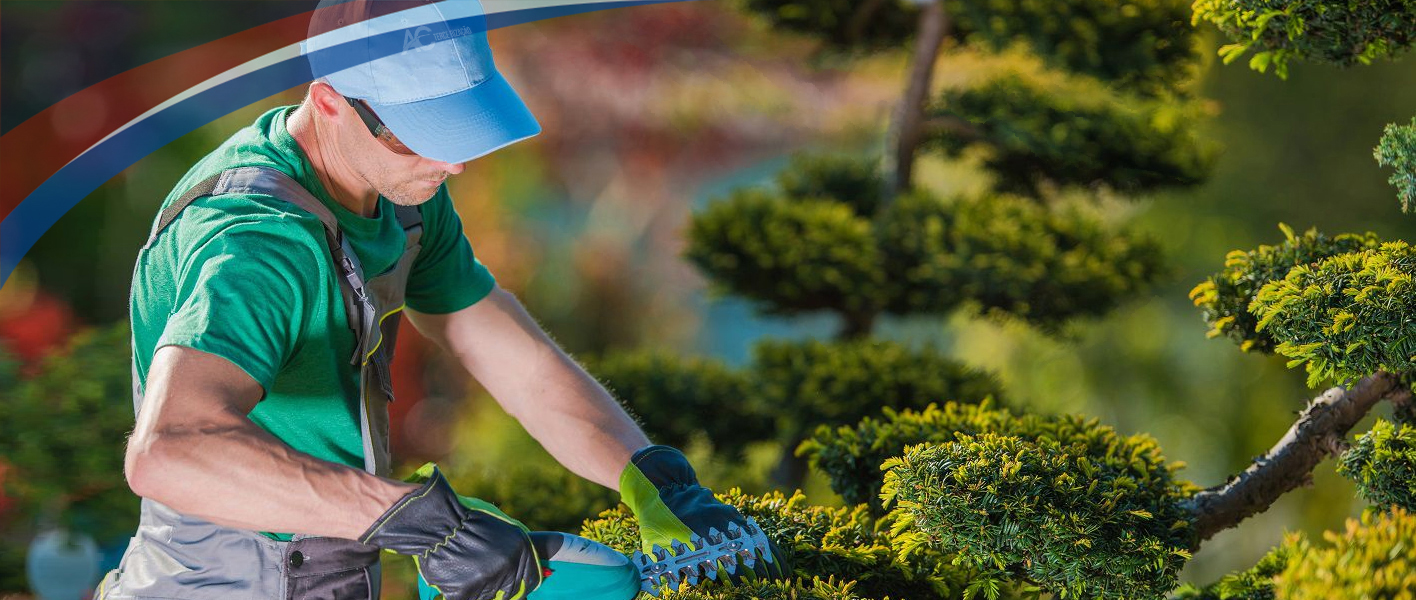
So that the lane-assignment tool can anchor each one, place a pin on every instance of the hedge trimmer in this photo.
(577, 568)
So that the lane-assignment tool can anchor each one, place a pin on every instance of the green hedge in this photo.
(1372, 558)
(1076, 522)
(866, 558)
(546, 497)
(1225, 297)
(1397, 149)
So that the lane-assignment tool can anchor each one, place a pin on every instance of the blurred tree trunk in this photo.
(906, 128)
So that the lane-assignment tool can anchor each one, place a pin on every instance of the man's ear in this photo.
(329, 103)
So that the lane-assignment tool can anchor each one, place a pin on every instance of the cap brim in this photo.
(463, 126)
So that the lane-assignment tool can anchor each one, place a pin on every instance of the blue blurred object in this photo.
(62, 565)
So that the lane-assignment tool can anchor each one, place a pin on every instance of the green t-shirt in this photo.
(249, 278)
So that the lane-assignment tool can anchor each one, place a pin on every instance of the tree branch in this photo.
(906, 127)
(953, 125)
(1320, 431)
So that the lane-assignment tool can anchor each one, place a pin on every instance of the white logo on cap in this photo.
(412, 38)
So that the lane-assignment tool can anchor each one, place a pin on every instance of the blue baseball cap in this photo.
(426, 70)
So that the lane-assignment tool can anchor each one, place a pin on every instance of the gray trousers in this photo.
(179, 557)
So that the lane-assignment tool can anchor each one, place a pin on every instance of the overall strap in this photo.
(359, 307)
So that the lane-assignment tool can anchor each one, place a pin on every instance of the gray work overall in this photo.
(175, 556)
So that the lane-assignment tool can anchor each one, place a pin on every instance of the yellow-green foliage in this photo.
(1225, 297)
(1383, 465)
(1347, 316)
(546, 497)
(1076, 523)
(1074, 131)
(1010, 256)
(1397, 149)
(64, 430)
(1342, 32)
(811, 383)
(1253, 584)
(861, 553)
(1374, 558)
(789, 256)
(672, 395)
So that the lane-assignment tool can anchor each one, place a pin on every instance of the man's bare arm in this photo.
(558, 403)
(195, 450)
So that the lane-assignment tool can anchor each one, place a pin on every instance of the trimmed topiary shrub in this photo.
(1397, 149)
(869, 559)
(1383, 465)
(1225, 297)
(546, 497)
(1253, 584)
(1372, 558)
(675, 393)
(1341, 33)
(1076, 523)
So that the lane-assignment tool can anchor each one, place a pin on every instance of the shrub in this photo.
(1341, 33)
(546, 497)
(675, 394)
(1347, 316)
(1383, 465)
(1225, 297)
(1253, 584)
(1373, 558)
(63, 431)
(1397, 149)
(1076, 523)
(844, 543)
(851, 180)
(1012, 256)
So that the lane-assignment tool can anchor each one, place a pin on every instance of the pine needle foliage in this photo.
(63, 433)
(1372, 558)
(1340, 32)
(813, 383)
(1397, 149)
(673, 394)
(1009, 256)
(1225, 297)
(1078, 133)
(1383, 465)
(1347, 316)
(1076, 524)
(852, 553)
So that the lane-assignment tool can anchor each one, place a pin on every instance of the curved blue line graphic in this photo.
(81, 176)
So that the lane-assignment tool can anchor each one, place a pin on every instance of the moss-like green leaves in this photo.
(673, 394)
(1372, 558)
(1326, 31)
(1009, 256)
(1074, 132)
(1347, 316)
(1077, 523)
(851, 180)
(63, 432)
(841, 544)
(1383, 465)
(810, 383)
(1397, 149)
(1225, 297)
(791, 257)
(1253, 584)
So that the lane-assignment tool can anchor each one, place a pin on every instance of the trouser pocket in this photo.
(331, 569)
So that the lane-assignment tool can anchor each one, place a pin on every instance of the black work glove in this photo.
(463, 551)
(662, 490)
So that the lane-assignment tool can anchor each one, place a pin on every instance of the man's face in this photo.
(403, 179)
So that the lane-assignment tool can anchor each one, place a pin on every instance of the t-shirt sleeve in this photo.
(245, 295)
(446, 276)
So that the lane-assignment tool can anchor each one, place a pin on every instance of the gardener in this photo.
(263, 313)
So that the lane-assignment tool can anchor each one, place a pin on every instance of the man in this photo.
(263, 313)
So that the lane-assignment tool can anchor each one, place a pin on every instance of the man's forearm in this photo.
(577, 420)
(238, 475)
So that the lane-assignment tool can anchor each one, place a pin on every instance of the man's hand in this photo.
(662, 490)
(465, 548)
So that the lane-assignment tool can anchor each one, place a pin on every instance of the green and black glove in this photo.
(662, 490)
(465, 548)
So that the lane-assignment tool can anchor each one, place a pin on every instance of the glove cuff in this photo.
(421, 519)
(663, 466)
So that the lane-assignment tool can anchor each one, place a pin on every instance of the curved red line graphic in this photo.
(35, 149)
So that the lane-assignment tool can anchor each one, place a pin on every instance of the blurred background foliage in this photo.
(651, 112)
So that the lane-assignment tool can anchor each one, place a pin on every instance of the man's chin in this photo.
(413, 196)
